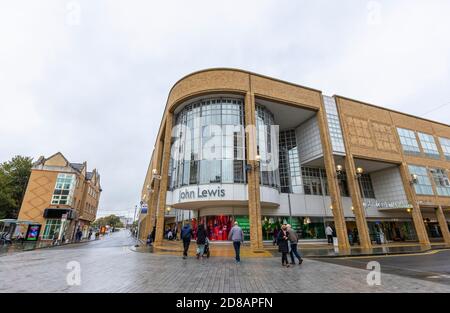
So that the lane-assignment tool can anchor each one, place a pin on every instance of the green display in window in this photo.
(244, 223)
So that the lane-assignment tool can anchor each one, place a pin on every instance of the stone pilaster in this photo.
(143, 228)
(333, 186)
(153, 205)
(358, 206)
(254, 205)
(164, 180)
(443, 225)
(416, 213)
(152, 199)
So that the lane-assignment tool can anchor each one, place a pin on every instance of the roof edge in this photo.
(392, 110)
(241, 71)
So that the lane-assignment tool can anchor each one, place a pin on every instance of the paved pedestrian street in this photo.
(111, 265)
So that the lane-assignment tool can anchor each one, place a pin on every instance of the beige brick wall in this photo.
(375, 136)
(38, 195)
(370, 131)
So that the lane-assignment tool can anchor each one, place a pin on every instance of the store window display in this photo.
(218, 227)
(305, 227)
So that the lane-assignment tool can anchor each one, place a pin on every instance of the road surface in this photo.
(111, 265)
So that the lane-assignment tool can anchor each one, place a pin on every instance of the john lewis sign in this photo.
(201, 193)
(387, 204)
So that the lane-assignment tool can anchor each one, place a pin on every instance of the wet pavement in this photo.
(432, 266)
(27, 246)
(111, 265)
(307, 249)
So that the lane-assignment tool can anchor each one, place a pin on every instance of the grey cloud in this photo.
(96, 91)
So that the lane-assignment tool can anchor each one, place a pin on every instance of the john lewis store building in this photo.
(235, 145)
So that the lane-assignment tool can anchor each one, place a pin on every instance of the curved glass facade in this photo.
(267, 147)
(210, 143)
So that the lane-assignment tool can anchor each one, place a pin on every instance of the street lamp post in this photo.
(134, 219)
(359, 173)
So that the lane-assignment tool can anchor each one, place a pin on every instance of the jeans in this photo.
(294, 252)
(237, 248)
(186, 244)
(330, 238)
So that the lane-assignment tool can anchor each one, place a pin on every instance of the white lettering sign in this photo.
(374, 276)
(200, 193)
(387, 204)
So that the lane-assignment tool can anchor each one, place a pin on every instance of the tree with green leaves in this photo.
(111, 220)
(14, 177)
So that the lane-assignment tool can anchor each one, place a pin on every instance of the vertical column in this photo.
(153, 205)
(164, 180)
(416, 213)
(333, 186)
(358, 207)
(443, 225)
(254, 204)
(143, 228)
(152, 199)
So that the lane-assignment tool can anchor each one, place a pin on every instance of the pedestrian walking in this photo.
(237, 236)
(153, 233)
(275, 236)
(55, 237)
(201, 240)
(149, 240)
(355, 235)
(21, 238)
(293, 239)
(90, 234)
(329, 233)
(78, 235)
(170, 234)
(186, 236)
(283, 245)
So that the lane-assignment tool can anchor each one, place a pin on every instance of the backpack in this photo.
(185, 233)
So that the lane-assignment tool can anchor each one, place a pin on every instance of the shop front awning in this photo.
(69, 213)
(10, 221)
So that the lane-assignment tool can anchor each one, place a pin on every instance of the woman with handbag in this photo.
(283, 245)
(201, 240)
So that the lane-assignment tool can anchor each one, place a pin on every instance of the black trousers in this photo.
(186, 244)
(237, 248)
(284, 259)
(330, 238)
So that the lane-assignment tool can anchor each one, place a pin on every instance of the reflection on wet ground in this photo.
(225, 249)
(28, 246)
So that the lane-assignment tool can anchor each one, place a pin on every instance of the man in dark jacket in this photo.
(153, 233)
(201, 240)
(186, 235)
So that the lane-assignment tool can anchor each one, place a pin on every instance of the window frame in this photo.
(429, 146)
(421, 184)
(63, 194)
(408, 148)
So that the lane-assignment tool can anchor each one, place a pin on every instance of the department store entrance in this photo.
(218, 226)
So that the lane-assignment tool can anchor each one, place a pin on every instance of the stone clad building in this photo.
(56, 189)
(238, 146)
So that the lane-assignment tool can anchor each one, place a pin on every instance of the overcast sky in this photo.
(91, 78)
